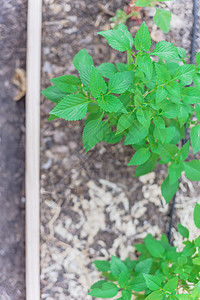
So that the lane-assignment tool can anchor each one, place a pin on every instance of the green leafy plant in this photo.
(160, 272)
(145, 103)
(162, 17)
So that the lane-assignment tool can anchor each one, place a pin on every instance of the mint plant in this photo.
(144, 103)
(160, 272)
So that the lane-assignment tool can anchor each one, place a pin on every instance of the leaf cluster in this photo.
(160, 272)
(144, 103)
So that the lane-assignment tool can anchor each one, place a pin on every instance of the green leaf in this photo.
(136, 134)
(191, 95)
(196, 291)
(185, 74)
(52, 117)
(197, 215)
(161, 94)
(125, 122)
(140, 157)
(162, 19)
(171, 285)
(159, 122)
(174, 91)
(82, 58)
(84, 73)
(147, 167)
(54, 94)
(119, 39)
(152, 282)
(66, 83)
(107, 290)
(166, 51)
(122, 67)
(143, 3)
(196, 80)
(197, 111)
(162, 74)
(196, 261)
(120, 82)
(102, 265)
(192, 170)
(197, 57)
(97, 84)
(138, 284)
(126, 295)
(175, 170)
(195, 138)
(158, 295)
(171, 110)
(92, 134)
(197, 242)
(154, 247)
(189, 249)
(144, 116)
(142, 40)
(184, 151)
(144, 266)
(117, 266)
(71, 108)
(107, 70)
(169, 190)
(167, 151)
(183, 113)
(183, 231)
(145, 64)
(111, 103)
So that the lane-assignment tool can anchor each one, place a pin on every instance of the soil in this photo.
(12, 117)
(92, 206)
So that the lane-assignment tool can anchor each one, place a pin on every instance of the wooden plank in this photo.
(33, 150)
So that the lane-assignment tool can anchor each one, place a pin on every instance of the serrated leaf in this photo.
(184, 151)
(162, 19)
(71, 108)
(136, 134)
(127, 295)
(82, 58)
(161, 94)
(125, 122)
(197, 215)
(183, 231)
(159, 122)
(171, 110)
(122, 67)
(142, 40)
(147, 167)
(84, 73)
(166, 51)
(97, 84)
(185, 74)
(107, 290)
(92, 134)
(183, 114)
(117, 266)
(191, 95)
(109, 136)
(119, 39)
(192, 170)
(140, 157)
(144, 116)
(145, 64)
(167, 151)
(120, 82)
(52, 117)
(174, 91)
(107, 70)
(169, 190)
(102, 265)
(197, 111)
(196, 261)
(195, 138)
(66, 83)
(154, 247)
(171, 285)
(111, 103)
(54, 94)
(152, 282)
(162, 73)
